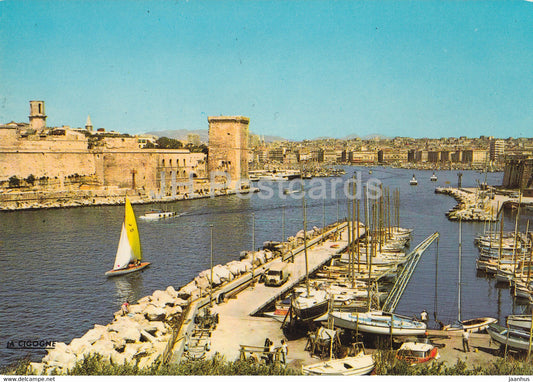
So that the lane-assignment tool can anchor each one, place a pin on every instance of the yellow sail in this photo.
(132, 231)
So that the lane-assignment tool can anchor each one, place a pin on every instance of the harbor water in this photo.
(52, 262)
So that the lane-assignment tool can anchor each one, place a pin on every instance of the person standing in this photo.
(125, 308)
(284, 352)
(424, 317)
(466, 336)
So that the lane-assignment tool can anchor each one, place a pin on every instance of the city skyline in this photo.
(299, 70)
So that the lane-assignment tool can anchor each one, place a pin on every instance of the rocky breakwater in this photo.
(470, 205)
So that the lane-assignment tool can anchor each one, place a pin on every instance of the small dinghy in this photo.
(128, 258)
(360, 364)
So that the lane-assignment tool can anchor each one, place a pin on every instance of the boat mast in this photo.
(459, 281)
(305, 242)
(516, 234)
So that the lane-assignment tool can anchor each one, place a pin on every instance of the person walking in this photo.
(466, 336)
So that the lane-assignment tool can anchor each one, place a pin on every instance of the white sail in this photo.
(124, 251)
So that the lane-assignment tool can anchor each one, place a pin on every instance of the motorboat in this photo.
(413, 181)
(433, 177)
(360, 364)
(158, 214)
(417, 352)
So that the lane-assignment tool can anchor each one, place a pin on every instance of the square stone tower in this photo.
(37, 116)
(228, 147)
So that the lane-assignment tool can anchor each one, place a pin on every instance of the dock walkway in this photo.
(236, 324)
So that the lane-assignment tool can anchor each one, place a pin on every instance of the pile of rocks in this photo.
(470, 207)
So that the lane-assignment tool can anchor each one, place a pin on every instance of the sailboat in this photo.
(474, 324)
(129, 252)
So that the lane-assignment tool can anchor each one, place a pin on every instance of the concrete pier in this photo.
(237, 312)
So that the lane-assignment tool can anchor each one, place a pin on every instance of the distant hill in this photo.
(204, 135)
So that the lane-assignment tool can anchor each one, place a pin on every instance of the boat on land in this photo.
(308, 306)
(416, 352)
(128, 258)
(512, 338)
(522, 321)
(413, 181)
(158, 214)
(433, 177)
(360, 364)
(378, 322)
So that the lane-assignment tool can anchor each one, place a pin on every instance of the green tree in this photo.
(168, 143)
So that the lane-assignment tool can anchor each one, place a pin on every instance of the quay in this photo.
(480, 205)
(91, 198)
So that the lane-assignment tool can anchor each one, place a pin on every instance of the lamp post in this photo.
(211, 283)
(253, 247)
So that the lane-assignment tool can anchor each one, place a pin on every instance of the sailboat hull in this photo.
(130, 269)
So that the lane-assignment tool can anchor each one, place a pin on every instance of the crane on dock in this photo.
(405, 275)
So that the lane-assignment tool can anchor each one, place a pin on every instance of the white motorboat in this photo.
(413, 181)
(158, 214)
(378, 322)
(360, 364)
(433, 178)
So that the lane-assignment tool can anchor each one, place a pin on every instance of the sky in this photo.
(297, 69)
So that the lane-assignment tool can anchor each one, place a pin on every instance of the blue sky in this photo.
(298, 69)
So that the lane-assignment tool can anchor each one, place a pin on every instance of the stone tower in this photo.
(228, 147)
(89, 124)
(37, 116)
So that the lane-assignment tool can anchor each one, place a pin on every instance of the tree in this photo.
(14, 182)
(30, 179)
(168, 143)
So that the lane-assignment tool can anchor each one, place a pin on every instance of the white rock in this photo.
(94, 334)
(186, 291)
(144, 300)
(171, 292)
(172, 311)
(118, 358)
(201, 282)
(153, 313)
(104, 347)
(223, 273)
(147, 336)
(79, 345)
